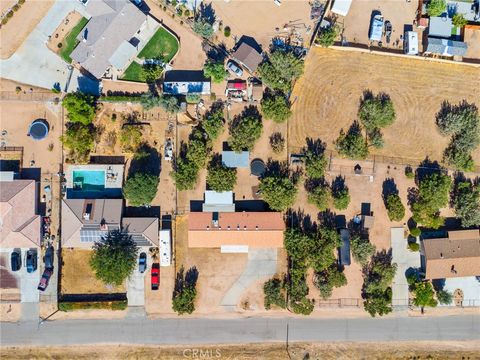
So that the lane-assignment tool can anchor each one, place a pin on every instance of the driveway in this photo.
(261, 264)
(34, 64)
(136, 285)
(470, 287)
(239, 331)
(404, 259)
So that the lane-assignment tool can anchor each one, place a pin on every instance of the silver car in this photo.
(234, 68)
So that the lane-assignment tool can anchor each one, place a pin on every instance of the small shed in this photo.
(165, 247)
(234, 159)
(341, 7)
(344, 250)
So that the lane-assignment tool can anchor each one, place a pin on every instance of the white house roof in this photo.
(124, 53)
(341, 7)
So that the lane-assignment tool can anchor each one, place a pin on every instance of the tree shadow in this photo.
(249, 111)
(426, 168)
(217, 53)
(311, 184)
(413, 195)
(146, 160)
(191, 276)
(206, 13)
(299, 220)
(338, 184)
(316, 146)
(276, 168)
(389, 188)
(327, 219)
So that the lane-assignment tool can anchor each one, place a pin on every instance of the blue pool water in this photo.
(89, 180)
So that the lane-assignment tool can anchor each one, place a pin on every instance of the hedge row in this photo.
(108, 305)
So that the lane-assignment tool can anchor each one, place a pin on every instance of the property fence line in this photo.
(47, 96)
(340, 302)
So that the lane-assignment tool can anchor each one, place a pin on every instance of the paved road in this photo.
(206, 331)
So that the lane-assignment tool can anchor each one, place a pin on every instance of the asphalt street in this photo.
(248, 330)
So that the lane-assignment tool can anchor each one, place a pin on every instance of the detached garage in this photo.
(341, 7)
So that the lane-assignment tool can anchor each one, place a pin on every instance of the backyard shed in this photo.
(344, 249)
(341, 7)
(234, 159)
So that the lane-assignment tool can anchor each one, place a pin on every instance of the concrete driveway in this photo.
(136, 287)
(34, 64)
(470, 287)
(404, 259)
(261, 264)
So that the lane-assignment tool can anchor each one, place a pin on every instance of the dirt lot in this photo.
(21, 24)
(62, 31)
(78, 277)
(356, 24)
(327, 98)
(325, 351)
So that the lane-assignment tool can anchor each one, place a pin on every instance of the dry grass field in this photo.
(296, 351)
(326, 98)
(78, 277)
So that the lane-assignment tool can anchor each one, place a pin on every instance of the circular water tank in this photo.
(38, 129)
(257, 167)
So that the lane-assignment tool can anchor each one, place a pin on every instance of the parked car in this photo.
(42, 285)
(142, 262)
(155, 276)
(48, 258)
(168, 150)
(31, 261)
(234, 68)
(16, 260)
(376, 28)
(388, 31)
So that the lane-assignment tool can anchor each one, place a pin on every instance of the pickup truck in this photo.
(155, 274)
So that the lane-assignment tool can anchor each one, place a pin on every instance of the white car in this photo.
(234, 68)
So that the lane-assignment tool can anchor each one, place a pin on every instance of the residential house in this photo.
(440, 26)
(457, 255)
(235, 231)
(116, 31)
(20, 226)
(445, 47)
(185, 82)
(85, 221)
(248, 56)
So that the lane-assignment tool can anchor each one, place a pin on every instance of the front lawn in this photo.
(162, 45)
(133, 73)
(70, 41)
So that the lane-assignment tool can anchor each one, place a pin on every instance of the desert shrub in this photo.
(362, 250)
(227, 31)
(413, 246)
(185, 291)
(444, 297)
(131, 137)
(327, 36)
(203, 28)
(273, 294)
(409, 172)
(79, 139)
(415, 232)
(277, 142)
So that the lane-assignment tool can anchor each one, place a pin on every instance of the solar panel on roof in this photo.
(92, 235)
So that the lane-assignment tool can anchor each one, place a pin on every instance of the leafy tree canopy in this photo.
(280, 70)
(436, 7)
(276, 108)
(362, 250)
(213, 122)
(444, 297)
(395, 208)
(131, 137)
(315, 164)
(341, 198)
(273, 294)
(185, 175)
(278, 192)
(80, 107)
(185, 292)
(151, 72)
(244, 132)
(376, 111)
(198, 148)
(467, 204)
(423, 294)
(221, 178)
(140, 189)
(327, 36)
(459, 20)
(320, 196)
(203, 28)
(216, 71)
(79, 139)
(114, 257)
(352, 144)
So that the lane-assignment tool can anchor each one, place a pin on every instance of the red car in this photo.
(155, 276)
(45, 279)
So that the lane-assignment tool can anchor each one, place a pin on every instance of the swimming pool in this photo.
(89, 180)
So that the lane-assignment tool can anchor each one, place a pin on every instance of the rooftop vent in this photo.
(215, 219)
(88, 211)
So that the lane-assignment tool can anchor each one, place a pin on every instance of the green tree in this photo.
(328, 279)
(277, 142)
(379, 303)
(459, 158)
(444, 297)
(459, 20)
(198, 149)
(320, 196)
(280, 70)
(79, 139)
(276, 108)
(169, 103)
(185, 292)
(352, 144)
(279, 192)
(114, 257)
(341, 198)
(362, 250)
(185, 175)
(327, 36)
(315, 164)
(216, 71)
(244, 132)
(433, 195)
(151, 72)
(220, 177)
(140, 189)
(436, 7)
(80, 107)
(323, 249)
(203, 28)
(376, 111)
(395, 208)
(423, 295)
(131, 137)
(467, 204)
(273, 294)
(213, 123)
(149, 101)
